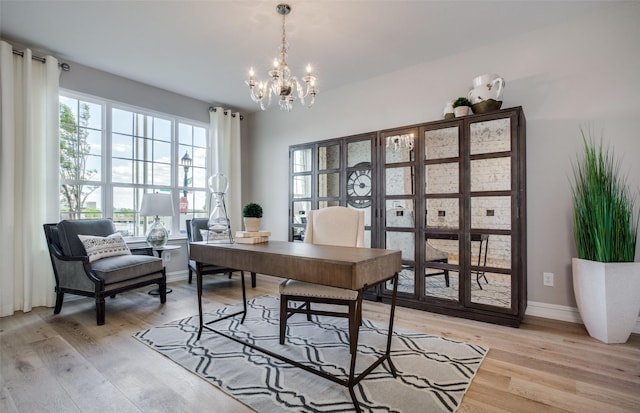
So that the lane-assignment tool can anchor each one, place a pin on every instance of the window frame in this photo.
(176, 186)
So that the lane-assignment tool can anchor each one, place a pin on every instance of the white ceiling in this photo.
(203, 49)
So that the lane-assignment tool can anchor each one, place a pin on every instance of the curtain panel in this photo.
(224, 157)
(29, 178)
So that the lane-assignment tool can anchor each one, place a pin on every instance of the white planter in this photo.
(461, 111)
(608, 297)
(251, 224)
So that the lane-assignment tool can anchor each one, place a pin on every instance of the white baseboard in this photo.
(561, 312)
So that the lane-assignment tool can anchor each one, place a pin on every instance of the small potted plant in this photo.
(251, 214)
(461, 106)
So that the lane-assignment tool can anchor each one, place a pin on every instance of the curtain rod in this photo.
(233, 115)
(64, 66)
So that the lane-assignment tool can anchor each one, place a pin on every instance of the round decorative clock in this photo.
(359, 185)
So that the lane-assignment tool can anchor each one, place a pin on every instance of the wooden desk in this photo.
(344, 267)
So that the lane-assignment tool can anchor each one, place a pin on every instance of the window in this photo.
(112, 154)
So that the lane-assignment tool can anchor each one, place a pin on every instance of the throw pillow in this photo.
(102, 247)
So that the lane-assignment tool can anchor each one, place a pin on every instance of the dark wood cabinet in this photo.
(449, 194)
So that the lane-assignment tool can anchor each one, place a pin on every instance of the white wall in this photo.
(582, 72)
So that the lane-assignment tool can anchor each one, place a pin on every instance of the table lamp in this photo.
(160, 205)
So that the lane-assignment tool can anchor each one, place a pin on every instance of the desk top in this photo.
(343, 267)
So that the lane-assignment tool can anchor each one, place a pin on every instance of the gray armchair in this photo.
(75, 273)
(194, 226)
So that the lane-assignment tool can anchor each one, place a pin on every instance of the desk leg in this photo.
(391, 316)
(353, 346)
(244, 297)
(199, 283)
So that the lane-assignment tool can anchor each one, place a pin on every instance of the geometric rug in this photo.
(433, 372)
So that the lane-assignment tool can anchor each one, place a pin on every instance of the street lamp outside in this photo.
(186, 163)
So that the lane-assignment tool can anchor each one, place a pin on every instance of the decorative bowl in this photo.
(486, 106)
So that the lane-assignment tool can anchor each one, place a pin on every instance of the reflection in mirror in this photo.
(329, 185)
(399, 181)
(400, 213)
(490, 136)
(302, 186)
(403, 241)
(441, 143)
(358, 152)
(488, 287)
(300, 212)
(297, 234)
(440, 282)
(443, 213)
(367, 213)
(491, 212)
(302, 160)
(325, 204)
(329, 157)
(399, 148)
(442, 178)
(493, 174)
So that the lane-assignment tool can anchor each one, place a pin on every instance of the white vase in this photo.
(608, 297)
(251, 224)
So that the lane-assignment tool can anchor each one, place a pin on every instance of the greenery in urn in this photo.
(461, 101)
(252, 210)
(605, 221)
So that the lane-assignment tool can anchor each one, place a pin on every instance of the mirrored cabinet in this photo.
(449, 194)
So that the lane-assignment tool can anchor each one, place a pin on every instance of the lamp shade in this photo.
(154, 204)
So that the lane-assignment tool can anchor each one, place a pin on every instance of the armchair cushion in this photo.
(68, 231)
(103, 247)
(124, 267)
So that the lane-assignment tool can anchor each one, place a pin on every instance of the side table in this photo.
(160, 250)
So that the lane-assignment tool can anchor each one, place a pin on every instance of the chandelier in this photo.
(281, 83)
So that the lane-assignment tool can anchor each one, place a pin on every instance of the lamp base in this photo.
(157, 236)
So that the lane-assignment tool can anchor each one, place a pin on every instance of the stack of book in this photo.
(252, 237)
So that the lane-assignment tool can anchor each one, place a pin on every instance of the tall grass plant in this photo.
(605, 218)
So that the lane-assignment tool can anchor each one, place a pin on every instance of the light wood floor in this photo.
(66, 363)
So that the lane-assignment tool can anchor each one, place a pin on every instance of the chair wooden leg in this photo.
(308, 305)
(253, 280)
(190, 274)
(446, 277)
(284, 304)
(100, 309)
(59, 298)
(353, 344)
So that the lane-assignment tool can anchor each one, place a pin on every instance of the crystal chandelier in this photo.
(281, 83)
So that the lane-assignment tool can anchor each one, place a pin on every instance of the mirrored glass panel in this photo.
(443, 213)
(441, 250)
(301, 186)
(300, 212)
(493, 174)
(367, 212)
(399, 148)
(441, 143)
(406, 281)
(403, 241)
(491, 212)
(442, 178)
(302, 160)
(329, 157)
(329, 185)
(297, 234)
(400, 213)
(358, 152)
(325, 204)
(490, 136)
(399, 181)
(490, 288)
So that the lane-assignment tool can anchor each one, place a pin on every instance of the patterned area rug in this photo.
(433, 372)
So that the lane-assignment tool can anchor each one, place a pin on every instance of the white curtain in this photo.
(224, 157)
(29, 157)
